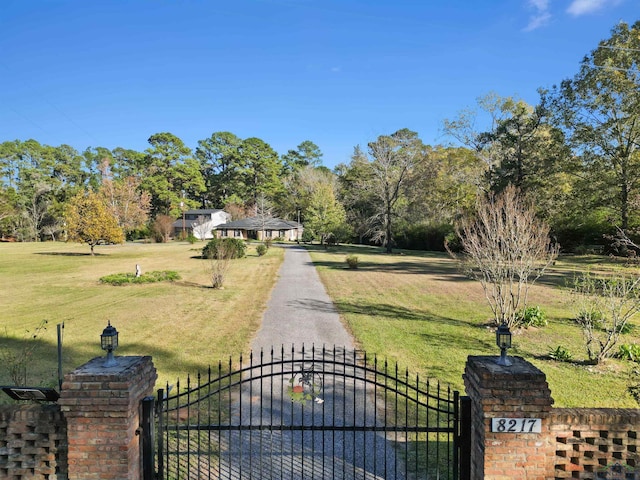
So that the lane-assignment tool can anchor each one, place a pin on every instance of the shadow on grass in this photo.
(72, 254)
(42, 364)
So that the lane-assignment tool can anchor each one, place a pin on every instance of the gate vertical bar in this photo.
(250, 413)
(147, 441)
(160, 434)
(375, 414)
(406, 421)
(417, 438)
(313, 416)
(464, 440)
(456, 428)
(240, 419)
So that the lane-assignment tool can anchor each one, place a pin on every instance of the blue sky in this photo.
(337, 72)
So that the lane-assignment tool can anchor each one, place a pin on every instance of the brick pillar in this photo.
(518, 391)
(101, 406)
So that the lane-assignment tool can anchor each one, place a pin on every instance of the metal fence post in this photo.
(147, 440)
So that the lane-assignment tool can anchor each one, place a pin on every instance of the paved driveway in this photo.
(300, 312)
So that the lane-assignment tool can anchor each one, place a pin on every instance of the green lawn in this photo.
(414, 308)
(418, 310)
(184, 325)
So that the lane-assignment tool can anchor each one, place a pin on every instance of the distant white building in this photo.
(200, 222)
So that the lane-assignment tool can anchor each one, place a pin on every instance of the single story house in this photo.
(200, 222)
(259, 228)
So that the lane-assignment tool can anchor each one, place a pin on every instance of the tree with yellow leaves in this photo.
(89, 220)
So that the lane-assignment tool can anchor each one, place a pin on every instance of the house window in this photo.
(268, 233)
(282, 234)
(237, 233)
(224, 232)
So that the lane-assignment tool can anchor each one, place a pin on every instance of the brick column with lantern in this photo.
(510, 407)
(101, 404)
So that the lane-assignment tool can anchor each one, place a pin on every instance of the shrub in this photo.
(261, 250)
(423, 236)
(268, 242)
(118, 279)
(191, 238)
(531, 317)
(629, 352)
(561, 354)
(236, 248)
(352, 261)
(307, 236)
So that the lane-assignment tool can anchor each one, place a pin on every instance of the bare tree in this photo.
(507, 249)
(604, 307)
(163, 227)
(219, 264)
(37, 207)
(264, 211)
(201, 227)
(393, 157)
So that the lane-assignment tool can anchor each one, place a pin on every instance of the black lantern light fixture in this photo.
(109, 342)
(503, 340)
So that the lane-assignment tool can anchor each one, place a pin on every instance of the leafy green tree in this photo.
(359, 203)
(170, 172)
(444, 185)
(90, 221)
(261, 170)
(325, 214)
(598, 111)
(306, 154)
(221, 167)
(8, 211)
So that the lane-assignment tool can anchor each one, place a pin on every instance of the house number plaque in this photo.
(516, 425)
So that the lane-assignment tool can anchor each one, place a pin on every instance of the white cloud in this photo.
(585, 7)
(541, 15)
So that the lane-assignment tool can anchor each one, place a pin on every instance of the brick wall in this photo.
(596, 443)
(102, 408)
(33, 442)
(517, 391)
(91, 433)
(578, 443)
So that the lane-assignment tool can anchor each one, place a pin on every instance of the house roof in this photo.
(202, 211)
(189, 223)
(256, 223)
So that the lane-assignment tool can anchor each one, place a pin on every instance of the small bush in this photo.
(531, 317)
(261, 250)
(352, 261)
(625, 328)
(561, 354)
(307, 236)
(279, 239)
(268, 242)
(118, 279)
(191, 238)
(235, 247)
(629, 352)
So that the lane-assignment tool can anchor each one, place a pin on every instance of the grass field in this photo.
(418, 310)
(414, 308)
(185, 325)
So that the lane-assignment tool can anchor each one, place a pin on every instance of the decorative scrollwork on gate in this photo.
(306, 385)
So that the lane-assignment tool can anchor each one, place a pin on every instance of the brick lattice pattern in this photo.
(596, 443)
(33, 442)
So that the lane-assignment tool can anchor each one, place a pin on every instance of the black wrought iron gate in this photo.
(314, 414)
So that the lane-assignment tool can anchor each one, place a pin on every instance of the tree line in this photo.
(575, 155)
